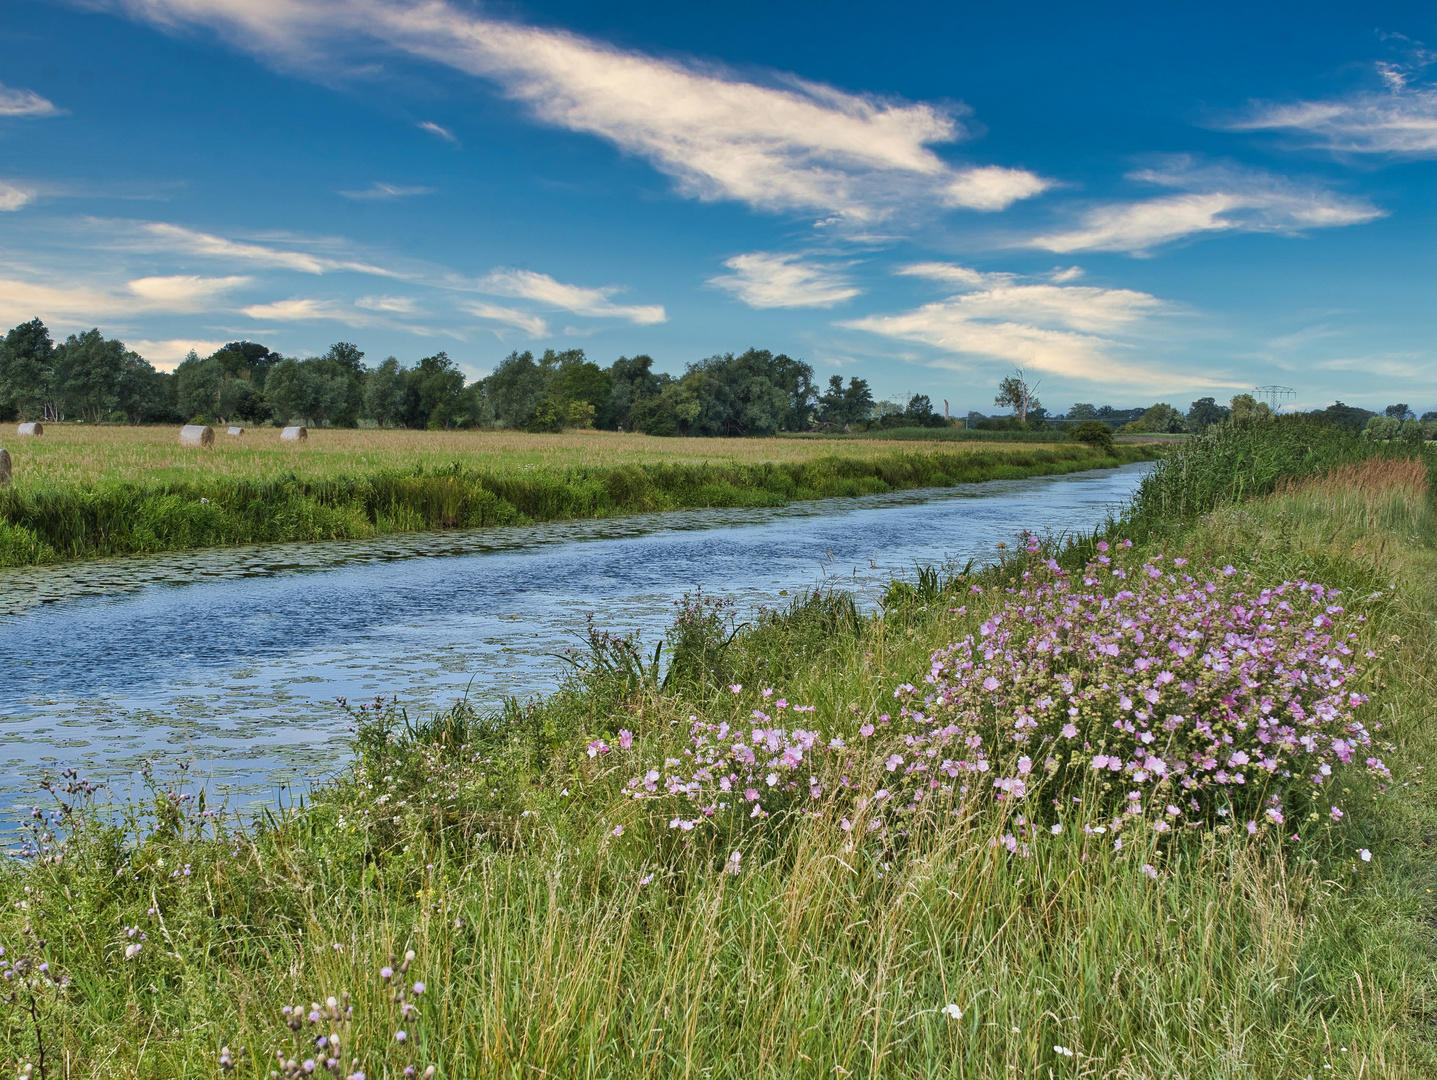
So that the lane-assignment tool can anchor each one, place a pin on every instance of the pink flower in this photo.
(990, 684)
(1070, 731)
(1337, 815)
(866, 730)
(626, 739)
(1150, 870)
(1364, 855)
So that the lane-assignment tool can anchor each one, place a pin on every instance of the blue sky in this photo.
(1137, 203)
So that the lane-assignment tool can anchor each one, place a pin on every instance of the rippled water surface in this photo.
(233, 658)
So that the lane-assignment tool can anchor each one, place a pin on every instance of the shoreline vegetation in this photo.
(100, 492)
(1145, 803)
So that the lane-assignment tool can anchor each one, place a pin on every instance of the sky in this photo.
(1131, 202)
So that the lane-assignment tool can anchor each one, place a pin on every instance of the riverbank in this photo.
(75, 502)
(664, 867)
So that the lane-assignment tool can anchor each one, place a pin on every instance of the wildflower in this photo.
(1057, 829)
(132, 950)
(1150, 870)
(735, 862)
(1252, 828)
(735, 687)
(953, 1011)
(626, 739)
(1063, 1050)
(386, 972)
(1337, 814)
(646, 879)
(866, 730)
(401, 1035)
(418, 989)
(618, 831)
(1364, 855)
(1274, 815)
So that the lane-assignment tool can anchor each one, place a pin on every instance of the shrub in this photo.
(1093, 433)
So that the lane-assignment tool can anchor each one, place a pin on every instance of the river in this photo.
(232, 659)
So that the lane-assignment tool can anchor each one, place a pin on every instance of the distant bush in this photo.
(1093, 433)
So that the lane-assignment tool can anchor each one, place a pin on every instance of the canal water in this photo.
(232, 659)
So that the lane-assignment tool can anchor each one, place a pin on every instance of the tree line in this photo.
(95, 379)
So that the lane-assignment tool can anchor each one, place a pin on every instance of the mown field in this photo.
(83, 492)
(1174, 824)
(87, 455)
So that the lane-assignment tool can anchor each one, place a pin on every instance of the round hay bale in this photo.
(294, 434)
(197, 435)
(234, 431)
(32, 428)
(6, 468)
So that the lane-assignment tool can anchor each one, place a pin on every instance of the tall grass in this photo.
(562, 928)
(49, 523)
(1229, 464)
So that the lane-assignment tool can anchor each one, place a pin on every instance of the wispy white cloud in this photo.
(1400, 119)
(167, 354)
(379, 190)
(12, 197)
(398, 305)
(529, 285)
(530, 324)
(70, 305)
(1215, 198)
(17, 102)
(1065, 330)
(780, 144)
(302, 309)
(437, 129)
(766, 280)
(163, 236)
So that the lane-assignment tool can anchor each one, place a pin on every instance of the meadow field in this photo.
(81, 491)
(1100, 810)
(78, 454)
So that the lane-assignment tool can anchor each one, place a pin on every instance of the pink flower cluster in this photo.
(1205, 689)
(1167, 695)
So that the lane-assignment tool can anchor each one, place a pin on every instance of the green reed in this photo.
(52, 523)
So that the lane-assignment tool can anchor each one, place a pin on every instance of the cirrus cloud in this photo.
(1065, 330)
(779, 143)
(766, 280)
(17, 102)
(1215, 199)
(530, 285)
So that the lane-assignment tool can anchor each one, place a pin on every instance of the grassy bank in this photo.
(244, 501)
(931, 435)
(573, 909)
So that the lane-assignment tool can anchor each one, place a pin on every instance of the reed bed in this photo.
(559, 925)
